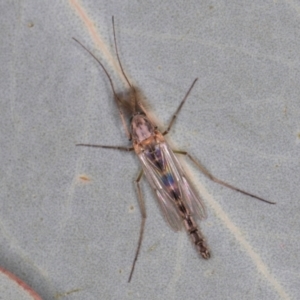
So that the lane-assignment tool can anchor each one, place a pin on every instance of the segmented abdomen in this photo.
(166, 176)
(193, 230)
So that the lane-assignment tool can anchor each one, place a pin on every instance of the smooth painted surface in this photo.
(69, 216)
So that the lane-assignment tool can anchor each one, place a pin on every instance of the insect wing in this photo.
(169, 210)
(166, 204)
(165, 199)
(193, 200)
(189, 196)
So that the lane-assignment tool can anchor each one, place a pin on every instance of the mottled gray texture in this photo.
(75, 239)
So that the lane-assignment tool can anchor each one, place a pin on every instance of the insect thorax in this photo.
(141, 128)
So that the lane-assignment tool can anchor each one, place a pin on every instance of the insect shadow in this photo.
(180, 204)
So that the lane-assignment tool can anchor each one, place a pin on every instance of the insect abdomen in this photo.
(196, 236)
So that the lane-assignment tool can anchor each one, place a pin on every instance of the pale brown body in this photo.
(147, 139)
(177, 199)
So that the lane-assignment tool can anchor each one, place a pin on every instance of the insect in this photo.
(177, 199)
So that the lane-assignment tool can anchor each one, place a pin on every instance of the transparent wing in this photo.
(190, 197)
(165, 199)
(170, 211)
(193, 200)
(166, 204)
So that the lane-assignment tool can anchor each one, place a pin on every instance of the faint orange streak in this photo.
(91, 28)
(84, 178)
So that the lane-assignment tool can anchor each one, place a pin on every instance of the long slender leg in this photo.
(179, 108)
(143, 221)
(121, 148)
(215, 179)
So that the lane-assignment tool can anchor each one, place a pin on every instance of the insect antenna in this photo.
(102, 66)
(120, 64)
(118, 100)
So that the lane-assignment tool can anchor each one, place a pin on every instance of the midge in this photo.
(180, 204)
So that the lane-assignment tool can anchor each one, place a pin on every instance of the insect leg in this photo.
(219, 181)
(143, 213)
(179, 108)
(121, 148)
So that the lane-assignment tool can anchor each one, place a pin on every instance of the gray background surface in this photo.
(69, 218)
